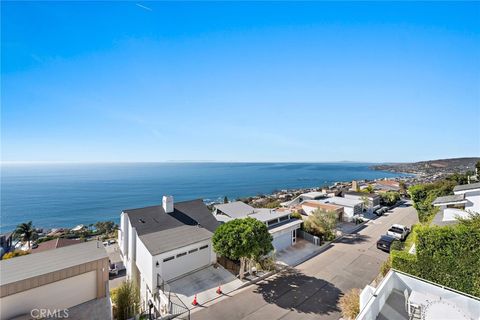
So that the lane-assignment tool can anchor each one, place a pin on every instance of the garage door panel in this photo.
(282, 242)
(187, 263)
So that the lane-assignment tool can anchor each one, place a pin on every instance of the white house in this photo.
(164, 242)
(371, 200)
(280, 225)
(69, 281)
(465, 200)
(314, 195)
(402, 297)
(351, 207)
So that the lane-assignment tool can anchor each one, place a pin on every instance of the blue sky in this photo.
(152, 81)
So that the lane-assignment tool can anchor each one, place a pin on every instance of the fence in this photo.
(309, 237)
(232, 266)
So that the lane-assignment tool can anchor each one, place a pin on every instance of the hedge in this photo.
(449, 256)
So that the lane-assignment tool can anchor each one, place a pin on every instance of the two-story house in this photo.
(165, 242)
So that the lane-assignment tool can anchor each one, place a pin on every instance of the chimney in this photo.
(167, 204)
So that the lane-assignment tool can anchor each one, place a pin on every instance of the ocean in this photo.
(65, 195)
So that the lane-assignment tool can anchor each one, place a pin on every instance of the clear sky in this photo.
(152, 81)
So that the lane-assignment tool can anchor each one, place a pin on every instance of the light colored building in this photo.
(372, 199)
(314, 195)
(351, 207)
(308, 207)
(280, 225)
(162, 243)
(387, 185)
(403, 297)
(71, 280)
(465, 200)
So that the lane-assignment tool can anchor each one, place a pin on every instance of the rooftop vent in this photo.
(141, 220)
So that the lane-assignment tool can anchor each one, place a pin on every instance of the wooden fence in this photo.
(230, 265)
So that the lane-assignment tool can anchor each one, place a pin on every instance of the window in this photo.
(181, 254)
(193, 250)
(168, 259)
(284, 218)
(270, 222)
(203, 247)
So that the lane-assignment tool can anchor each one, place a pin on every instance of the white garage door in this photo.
(282, 241)
(56, 295)
(186, 262)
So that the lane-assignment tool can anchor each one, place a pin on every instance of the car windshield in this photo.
(395, 229)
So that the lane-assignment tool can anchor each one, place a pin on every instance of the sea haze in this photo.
(64, 195)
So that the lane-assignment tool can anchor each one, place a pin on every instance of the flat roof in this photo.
(236, 209)
(285, 225)
(265, 215)
(362, 194)
(456, 198)
(32, 265)
(343, 201)
(464, 187)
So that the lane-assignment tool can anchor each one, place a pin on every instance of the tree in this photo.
(126, 299)
(368, 189)
(477, 167)
(225, 200)
(322, 223)
(105, 226)
(389, 198)
(242, 239)
(25, 232)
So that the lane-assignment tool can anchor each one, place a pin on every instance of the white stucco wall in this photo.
(57, 295)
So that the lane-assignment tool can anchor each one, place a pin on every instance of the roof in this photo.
(55, 243)
(465, 187)
(344, 202)
(285, 225)
(321, 205)
(268, 214)
(362, 194)
(32, 265)
(313, 194)
(190, 222)
(449, 199)
(236, 209)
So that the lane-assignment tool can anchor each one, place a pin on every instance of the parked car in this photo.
(385, 242)
(379, 212)
(398, 231)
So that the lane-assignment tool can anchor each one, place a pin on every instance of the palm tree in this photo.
(26, 232)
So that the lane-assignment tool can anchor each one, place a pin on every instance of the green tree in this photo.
(242, 239)
(424, 194)
(477, 166)
(105, 227)
(368, 189)
(126, 299)
(25, 232)
(322, 224)
(389, 198)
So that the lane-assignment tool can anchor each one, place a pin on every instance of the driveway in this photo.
(312, 289)
(204, 284)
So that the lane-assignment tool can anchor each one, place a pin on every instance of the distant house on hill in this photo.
(465, 200)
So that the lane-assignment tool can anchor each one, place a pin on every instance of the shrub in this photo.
(424, 194)
(385, 267)
(126, 299)
(350, 303)
(296, 215)
(449, 256)
(13, 254)
(322, 224)
(389, 198)
(397, 245)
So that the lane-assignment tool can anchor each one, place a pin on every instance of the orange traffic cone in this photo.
(219, 290)
(194, 302)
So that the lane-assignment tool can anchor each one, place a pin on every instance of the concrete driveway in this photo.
(204, 284)
(312, 289)
(296, 253)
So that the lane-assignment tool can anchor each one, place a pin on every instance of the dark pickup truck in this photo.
(385, 242)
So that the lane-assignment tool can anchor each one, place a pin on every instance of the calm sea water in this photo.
(64, 195)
